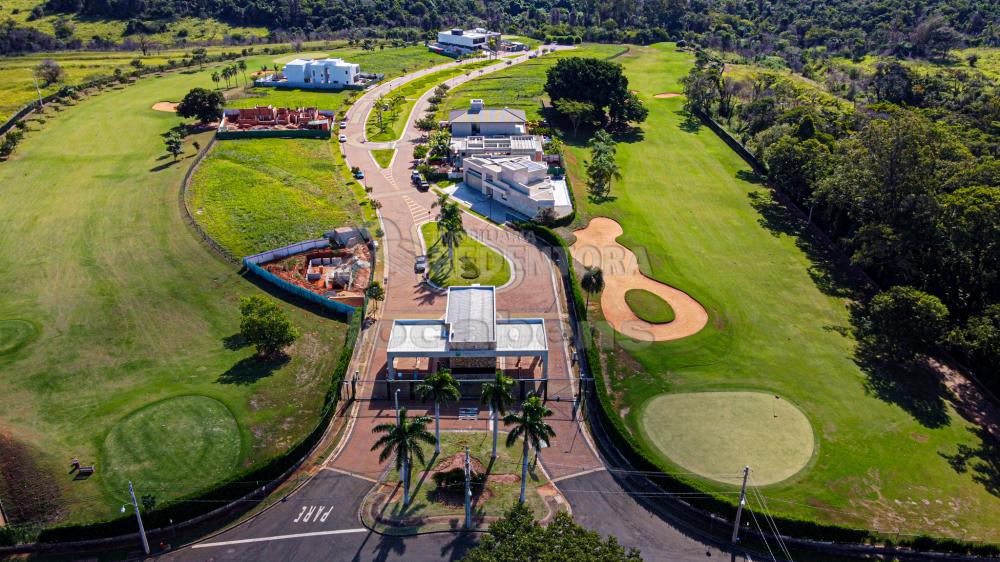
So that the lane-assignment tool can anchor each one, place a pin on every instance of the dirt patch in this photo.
(33, 496)
(458, 461)
(165, 106)
(666, 95)
(596, 245)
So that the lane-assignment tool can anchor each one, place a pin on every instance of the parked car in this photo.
(415, 177)
(422, 185)
(343, 124)
(359, 175)
(343, 138)
(420, 266)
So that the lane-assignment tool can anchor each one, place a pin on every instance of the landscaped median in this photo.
(470, 262)
(394, 119)
(438, 488)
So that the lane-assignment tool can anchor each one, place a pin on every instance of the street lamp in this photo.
(138, 518)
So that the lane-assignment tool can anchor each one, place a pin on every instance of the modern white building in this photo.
(518, 182)
(458, 42)
(482, 131)
(470, 340)
(321, 73)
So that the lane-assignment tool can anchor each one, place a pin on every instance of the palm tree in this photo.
(592, 281)
(497, 396)
(216, 78)
(451, 231)
(530, 425)
(243, 68)
(403, 439)
(225, 76)
(441, 388)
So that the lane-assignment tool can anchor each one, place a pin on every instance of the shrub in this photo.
(265, 325)
(469, 268)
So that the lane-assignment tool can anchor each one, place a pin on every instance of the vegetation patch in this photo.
(172, 447)
(255, 195)
(15, 334)
(649, 307)
(383, 156)
(485, 265)
(716, 434)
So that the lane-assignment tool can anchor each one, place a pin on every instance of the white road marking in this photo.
(281, 537)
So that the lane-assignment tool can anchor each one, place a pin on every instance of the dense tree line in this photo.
(906, 179)
(786, 28)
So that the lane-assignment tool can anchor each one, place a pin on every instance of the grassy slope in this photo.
(520, 86)
(256, 195)
(493, 269)
(777, 324)
(132, 307)
(394, 122)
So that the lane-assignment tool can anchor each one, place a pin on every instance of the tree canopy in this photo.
(201, 104)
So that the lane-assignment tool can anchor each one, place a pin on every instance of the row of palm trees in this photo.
(403, 438)
(232, 72)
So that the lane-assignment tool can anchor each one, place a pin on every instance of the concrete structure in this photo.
(469, 339)
(519, 183)
(458, 42)
(321, 73)
(481, 131)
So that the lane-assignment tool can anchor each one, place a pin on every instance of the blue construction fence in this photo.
(252, 264)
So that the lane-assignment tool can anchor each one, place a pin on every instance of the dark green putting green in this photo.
(171, 448)
(649, 307)
(15, 334)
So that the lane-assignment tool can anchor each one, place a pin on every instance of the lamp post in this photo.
(138, 518)
(396, 396)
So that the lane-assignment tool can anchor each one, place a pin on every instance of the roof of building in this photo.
(418, 336)
(504, 115)
(522, 334)
(303, 62)
(471, 314)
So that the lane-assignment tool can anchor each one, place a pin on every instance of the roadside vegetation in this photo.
(383, 156)
(252, 195)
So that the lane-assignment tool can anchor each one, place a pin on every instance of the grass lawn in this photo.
(886, 445)
(383, 156)
(131, 309)
(491, 267)
(520, 86)
(393, 122)
(649, 306)
(253, 195)
(426, 500)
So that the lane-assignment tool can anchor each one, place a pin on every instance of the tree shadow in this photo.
(983, 460)
(251, 369)
(914, 388)
(689, 123)
(749, 176)
(629, 134)
(164, 166)
(234, 342)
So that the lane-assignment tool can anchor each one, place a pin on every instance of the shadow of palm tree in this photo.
(251, 369)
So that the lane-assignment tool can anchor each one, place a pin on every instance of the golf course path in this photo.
(596, 245)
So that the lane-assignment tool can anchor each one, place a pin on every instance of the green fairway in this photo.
(649, 306)
(488, 267)
(886, 443)
(383, 156)
(394, 120)
(253, 195)
(131, 307)
(716, 434)
(441, 507)
(173, 447)
(520, 86)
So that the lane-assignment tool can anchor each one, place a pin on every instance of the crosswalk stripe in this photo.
(281, 537)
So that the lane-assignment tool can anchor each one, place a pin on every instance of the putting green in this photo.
(649, 306)
(15, 333)
(172, 447)
(716, 434)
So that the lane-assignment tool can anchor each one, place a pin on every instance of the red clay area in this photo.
(341, 281)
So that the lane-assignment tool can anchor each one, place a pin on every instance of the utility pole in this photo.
(38, 91)
(396, 396)
(138, 517)
(739, 508)
(468, 491)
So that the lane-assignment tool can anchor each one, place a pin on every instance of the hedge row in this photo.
(639, 458)
(238, 486)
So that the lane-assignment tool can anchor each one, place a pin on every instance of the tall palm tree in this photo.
(216, 78)
(440, 388)
(403, 439)
(530, 425)
(592, 281)
(497, 396)
(243, 68)
(451, 232)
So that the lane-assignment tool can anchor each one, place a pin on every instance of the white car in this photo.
(343, 138)
(343, 124)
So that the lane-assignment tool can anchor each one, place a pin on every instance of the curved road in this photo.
(320, 521)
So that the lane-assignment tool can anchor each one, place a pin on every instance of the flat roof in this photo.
(521, 334)
(487, 115)
(471, 314)
(416, 336)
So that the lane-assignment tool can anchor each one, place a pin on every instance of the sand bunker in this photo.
(596, 245)
(165, 106)
(668, 95)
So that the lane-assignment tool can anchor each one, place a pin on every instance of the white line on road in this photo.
(281, 537)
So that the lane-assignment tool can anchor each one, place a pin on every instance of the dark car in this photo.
(415, 177)
(422, 185)
(420, 266)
